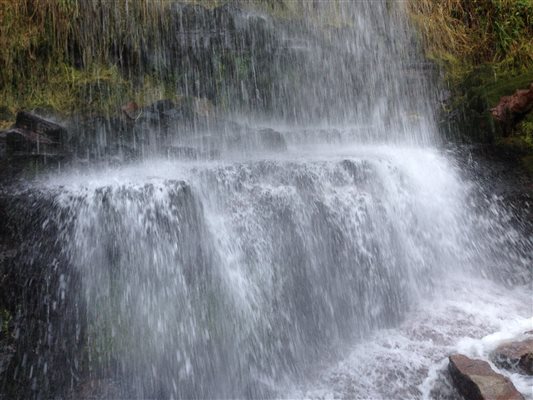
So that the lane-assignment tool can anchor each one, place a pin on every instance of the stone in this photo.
(512, 109)
(33, 135)
(516, 355)
(476, 380)
(131, 110)
(161, 106)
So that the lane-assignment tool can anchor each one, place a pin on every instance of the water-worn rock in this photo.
(476, 380)
(515, 355)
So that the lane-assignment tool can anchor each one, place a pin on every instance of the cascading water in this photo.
(243, 277)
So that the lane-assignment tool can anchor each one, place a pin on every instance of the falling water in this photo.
(253, 275)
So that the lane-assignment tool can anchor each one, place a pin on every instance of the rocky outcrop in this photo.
(31, 144)
(476, 380)
(33, 135)
(511, 109)
(516, 355)
(41, 293)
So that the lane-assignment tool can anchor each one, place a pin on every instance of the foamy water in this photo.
(215, 253)
(466, 315)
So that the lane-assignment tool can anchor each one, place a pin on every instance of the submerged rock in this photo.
(515, 355)
(476, 380)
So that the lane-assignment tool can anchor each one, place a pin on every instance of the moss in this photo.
(462, 35)
(486, 52)
(506, 85)
(62, 54)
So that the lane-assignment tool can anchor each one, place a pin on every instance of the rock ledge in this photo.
(476, 380)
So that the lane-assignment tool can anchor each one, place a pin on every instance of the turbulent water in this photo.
(238, 278)
(345, 268)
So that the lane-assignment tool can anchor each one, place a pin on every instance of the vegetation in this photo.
(72, 55)
(57, 54)
(486, 50)
(465, 34)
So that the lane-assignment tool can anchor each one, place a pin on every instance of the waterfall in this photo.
(229, 277)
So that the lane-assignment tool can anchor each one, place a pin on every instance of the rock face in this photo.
(271, 139)
(34, 135)
(476, 380)
(31, 144)
(515, 355)
(511, 109)
(41, 294)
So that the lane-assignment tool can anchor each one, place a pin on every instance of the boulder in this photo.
(515, 356)
(33, 135)
(131, 110)
(512, 109)
(476, 380)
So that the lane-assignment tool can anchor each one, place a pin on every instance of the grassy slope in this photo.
(486, 49)
(54, 54)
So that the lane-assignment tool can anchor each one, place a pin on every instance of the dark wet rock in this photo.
(515, 356)
(244, 138)
(191, 153)
(41, 294)
(32, 145)
(32, 135)
(3, 145)
(120, 153)
(98, 389)
(161, 106)
(476, 380)
(182, 152)
(271, 139)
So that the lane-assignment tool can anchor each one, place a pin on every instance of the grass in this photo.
(485, 48)
(64, 55)
(462, 35)
(57, 54)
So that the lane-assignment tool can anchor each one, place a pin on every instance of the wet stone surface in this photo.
(516, 355)
(476, 380)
